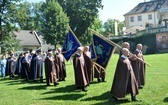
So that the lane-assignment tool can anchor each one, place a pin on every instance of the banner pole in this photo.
(119, 47)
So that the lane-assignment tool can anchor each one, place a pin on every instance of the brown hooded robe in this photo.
(139, 69)
(79, 70)
(124, 76)
(87, 57)
(61, 67)
(50, 71)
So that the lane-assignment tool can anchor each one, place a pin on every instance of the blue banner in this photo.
(104, 49)
(70, 45)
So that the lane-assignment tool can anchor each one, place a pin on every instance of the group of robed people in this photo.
(129, 75)
(85, 69)
(55, 69)
(26, 66)
(30, 66)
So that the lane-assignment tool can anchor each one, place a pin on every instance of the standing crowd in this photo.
(29, 66)
(129, 75)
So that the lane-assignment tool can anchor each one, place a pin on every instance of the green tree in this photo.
(6, 8)
(97, 26)
(109, 27)
(28, 15)
(22, 15)
(121, 25)
(37, 16)
(55, 24)
(7, 40)
(82, 14)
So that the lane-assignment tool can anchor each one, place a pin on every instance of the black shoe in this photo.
(41, 80)
(115, 99)
(84, 90)
(98, 80)
(103, 80)
(78, 87)
(140, 87)
(55, 83)
(135, 99)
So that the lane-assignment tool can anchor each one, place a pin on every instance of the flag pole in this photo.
(96, 33)
(119, 47)
(74, 35)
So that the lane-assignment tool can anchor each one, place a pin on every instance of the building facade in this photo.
(148, 14)
(29, 40)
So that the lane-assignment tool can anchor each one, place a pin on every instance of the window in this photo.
(131, 19)
(147, 7)
(159, 6)
(139, 18)
(150, 17)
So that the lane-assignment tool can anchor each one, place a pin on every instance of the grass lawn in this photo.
(155, 92)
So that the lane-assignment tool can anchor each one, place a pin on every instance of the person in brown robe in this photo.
(88, 62)
(124, 81)
(124, 45)
(60, 62)
(50, 71)
(57, 66)
(139, 67)
(79, 70)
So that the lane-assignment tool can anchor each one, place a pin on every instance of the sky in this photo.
(113, 9)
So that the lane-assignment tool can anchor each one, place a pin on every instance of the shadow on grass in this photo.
(165, 99)
(105, 96)
(14, 83)
(112, 102)
(21, 81)
(4, 79)
(34, 87)
(17, 81)
(95, 82)
(65, 97)
(7, 78)
(66, 89)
